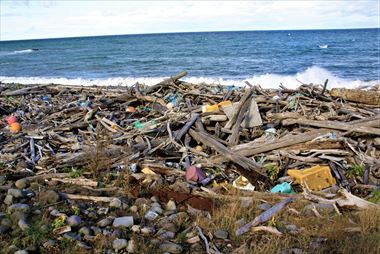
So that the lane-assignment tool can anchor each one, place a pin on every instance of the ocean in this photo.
(348, 58)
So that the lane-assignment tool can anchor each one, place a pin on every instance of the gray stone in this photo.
(74, 220)
(56, 213)
(23, 224)
(16, 193)
(119, 244)
(157, 209)
(151, 215)
(8, 200)
(83, 245)
(171, 247)
(221, 234)
(179, 218)
(22, 183)
(19, 207)
(72, 236)
(105, 222)
(291, 228)
(2, 215)
(117, 234)
(125, 221)
(21, 252)
(84, 231)
(2, 179)
(131, 247)
(49, 243)
(165, 235)
(115, 203)
(147, 230)
(6, 222)
(48, 197)
(96, 230)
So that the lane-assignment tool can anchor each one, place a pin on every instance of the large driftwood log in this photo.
(335, 125)
(166, 82)
(362, 96)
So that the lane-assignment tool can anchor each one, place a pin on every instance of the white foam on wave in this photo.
(16, 52)
(315, 75)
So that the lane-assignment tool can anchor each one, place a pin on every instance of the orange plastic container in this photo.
(315, 178)
(211, 108)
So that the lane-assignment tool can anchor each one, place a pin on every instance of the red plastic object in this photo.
(11, 119)
(195, 174)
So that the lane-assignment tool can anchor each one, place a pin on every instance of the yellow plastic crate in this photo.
(314, 178)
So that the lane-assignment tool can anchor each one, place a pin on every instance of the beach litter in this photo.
(167, 166)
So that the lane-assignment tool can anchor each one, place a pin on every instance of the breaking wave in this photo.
(16, 52)
(315, 75)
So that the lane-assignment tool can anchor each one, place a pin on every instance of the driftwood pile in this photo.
(154, 134)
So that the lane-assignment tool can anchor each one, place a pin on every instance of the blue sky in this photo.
(32, 19)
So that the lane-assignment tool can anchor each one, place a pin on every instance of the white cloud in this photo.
(80, 18)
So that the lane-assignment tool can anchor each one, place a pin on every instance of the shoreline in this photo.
(181, 168)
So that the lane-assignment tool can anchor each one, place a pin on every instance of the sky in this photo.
(32, 19)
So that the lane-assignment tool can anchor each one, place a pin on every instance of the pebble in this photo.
(49, 243)
(16, 193)
(119, 244)
(96, 230)
(151, 215)
(291, 228)
(84, 231)
(115, 203)
(171, 247)
(83, 245)
(19, 207)
(125, 221)
(6, 222)
(148, 230)
(21, 252)
(72, 236)
(166, 235)
(136, 228)
(105, 222)
(22, 183)
(171, 206)
(2, 179)
(134, 209)
(23, 224)
(221, 234)
(131, 247)
(8, 200)
(56, 213)
(74, 220)
(48, 197)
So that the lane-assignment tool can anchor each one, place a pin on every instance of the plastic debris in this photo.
(314, 178)
(15, 127)
(283, 188)
(242, 183)
(195, 174)
(11, 119)
(212, 108)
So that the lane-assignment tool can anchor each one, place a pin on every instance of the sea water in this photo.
(348, 58)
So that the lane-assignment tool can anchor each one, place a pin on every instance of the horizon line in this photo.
(217, 31)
